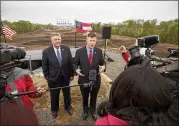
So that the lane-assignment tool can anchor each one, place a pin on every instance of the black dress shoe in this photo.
(69, 110)
(85, 115)
(93, 115)
(54, 114)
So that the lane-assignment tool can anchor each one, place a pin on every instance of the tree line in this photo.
(23, 26)
(167, 30)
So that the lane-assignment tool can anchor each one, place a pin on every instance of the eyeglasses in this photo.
(56, 39)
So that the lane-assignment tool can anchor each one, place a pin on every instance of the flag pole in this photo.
(75, 40)
(75, 34)
(4, 38)
(2, 32)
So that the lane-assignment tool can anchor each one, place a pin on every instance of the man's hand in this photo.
(79, 73)
(102, 69)
(70, 83)
(71, 78)
(122, 49)
(40, 91)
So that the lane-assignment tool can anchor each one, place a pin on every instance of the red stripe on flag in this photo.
(10, 28)
(7, 31)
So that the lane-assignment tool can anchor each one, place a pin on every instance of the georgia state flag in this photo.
(83, 27)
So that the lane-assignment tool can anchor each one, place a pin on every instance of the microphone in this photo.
(92, 75)
(86, 84)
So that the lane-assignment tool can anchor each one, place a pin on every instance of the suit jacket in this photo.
(51, 67)
(81, 60)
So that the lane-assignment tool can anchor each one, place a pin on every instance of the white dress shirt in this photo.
(55, 49)
(88, 50)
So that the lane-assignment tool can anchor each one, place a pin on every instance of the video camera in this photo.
(143, 54)
(147, 41)
(144, 45)
(3, 83)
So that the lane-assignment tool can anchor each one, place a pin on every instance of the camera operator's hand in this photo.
(40, 91)
(79, 73)
(122, 49)
(102, 69)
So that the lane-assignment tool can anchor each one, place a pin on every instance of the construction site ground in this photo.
(40, 39)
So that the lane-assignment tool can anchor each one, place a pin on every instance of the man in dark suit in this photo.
(86, 59)
(58, 70)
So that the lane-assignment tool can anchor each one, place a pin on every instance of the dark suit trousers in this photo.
(86, 91)
(54, 94)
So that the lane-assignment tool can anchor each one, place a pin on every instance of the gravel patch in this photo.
(113, 69)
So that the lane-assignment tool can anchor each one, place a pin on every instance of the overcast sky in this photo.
(88, 11)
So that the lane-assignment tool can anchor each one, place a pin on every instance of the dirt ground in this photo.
(42, 104)
(40, 39)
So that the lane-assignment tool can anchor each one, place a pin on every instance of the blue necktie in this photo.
(59, 57)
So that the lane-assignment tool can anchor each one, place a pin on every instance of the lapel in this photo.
(86, 55)
(62, 53)
(53, 54)
(94, 56)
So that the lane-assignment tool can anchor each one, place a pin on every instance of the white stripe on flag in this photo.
(87, 28)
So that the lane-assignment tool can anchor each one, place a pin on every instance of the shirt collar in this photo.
(56, 48)
(88, 49)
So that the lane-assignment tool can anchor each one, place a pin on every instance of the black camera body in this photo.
(137, 57)
(134, 52)
(143, 44)
(3, 83)
(143, 48)
(147, 41)
(149, 57)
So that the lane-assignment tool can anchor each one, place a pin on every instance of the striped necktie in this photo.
(59, 57)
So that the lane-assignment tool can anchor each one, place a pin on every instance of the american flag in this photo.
(7, 31)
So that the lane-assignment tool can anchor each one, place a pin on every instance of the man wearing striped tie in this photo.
(58, 71)
(87, 59)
